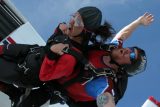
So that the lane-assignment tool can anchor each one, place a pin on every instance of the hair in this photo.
(105, 31)
(139, 65)
(91, 17)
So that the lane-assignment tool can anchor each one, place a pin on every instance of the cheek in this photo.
(123, 60)
(115, 53)
(120, 61)
(127, 59)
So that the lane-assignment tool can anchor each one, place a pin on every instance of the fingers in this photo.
(147, 18)
(57, 48)
(64, 28)
(145, 14)
(61, 51)
(148, 15)
(150, 18)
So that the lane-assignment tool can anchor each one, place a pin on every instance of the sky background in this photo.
(45, 15)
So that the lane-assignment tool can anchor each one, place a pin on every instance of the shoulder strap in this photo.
(76, 54)
(17, 50)
(24, 96)
(120, 87)
(92, 71)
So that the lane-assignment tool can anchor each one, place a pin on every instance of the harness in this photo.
(120, 80)
(92, 71)
(28, 59)
(60, 95)
(29, 67)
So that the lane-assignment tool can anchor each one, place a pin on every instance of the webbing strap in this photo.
(120, 84)
(93, 72)
(105, 47)
(24, 96)
(76, 54)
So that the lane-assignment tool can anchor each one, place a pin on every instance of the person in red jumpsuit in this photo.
(133, 59)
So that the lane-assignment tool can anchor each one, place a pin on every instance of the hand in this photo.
(64, 28)
(146, 19)
(57, 48)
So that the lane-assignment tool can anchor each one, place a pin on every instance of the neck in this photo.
(107, 60)
(77, 39)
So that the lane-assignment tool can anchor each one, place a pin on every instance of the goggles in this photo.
(132, 54)
(138, 63)
(79, 22)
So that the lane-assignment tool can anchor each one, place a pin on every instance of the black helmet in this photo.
(139, 65)
(91, 17)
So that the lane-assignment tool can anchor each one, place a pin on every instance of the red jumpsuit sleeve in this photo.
(55, 69)
(1, 49)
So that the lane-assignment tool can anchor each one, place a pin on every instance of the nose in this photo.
(121, 52)
(124, 51)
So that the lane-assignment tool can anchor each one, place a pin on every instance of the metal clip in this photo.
(23, 65)
(32, 50)
(65, 50)
(58, 93)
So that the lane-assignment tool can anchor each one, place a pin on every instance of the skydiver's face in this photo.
(76, 25)
(124, 55)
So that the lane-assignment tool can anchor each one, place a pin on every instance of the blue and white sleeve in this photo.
(96, 86)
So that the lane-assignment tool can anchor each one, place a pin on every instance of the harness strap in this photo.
(76, 54)
(93, 72)
(120, 83)
(29, 66)
(57, 93)
(24, 96)
(106, 47)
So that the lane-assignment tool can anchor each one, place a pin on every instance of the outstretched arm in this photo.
(145, 19)
(105, 100)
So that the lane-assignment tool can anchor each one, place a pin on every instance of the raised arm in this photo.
(145, 19)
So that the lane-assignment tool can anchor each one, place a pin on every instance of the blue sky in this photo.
(45, 15)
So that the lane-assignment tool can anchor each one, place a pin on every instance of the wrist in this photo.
(139, 21)
(51, 55)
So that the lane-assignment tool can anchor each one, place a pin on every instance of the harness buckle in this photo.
(65, 50)
(32, 50)
(109, 72)
(58, 93)
(23, 66)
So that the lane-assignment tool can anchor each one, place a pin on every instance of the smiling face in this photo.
(124, 55)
